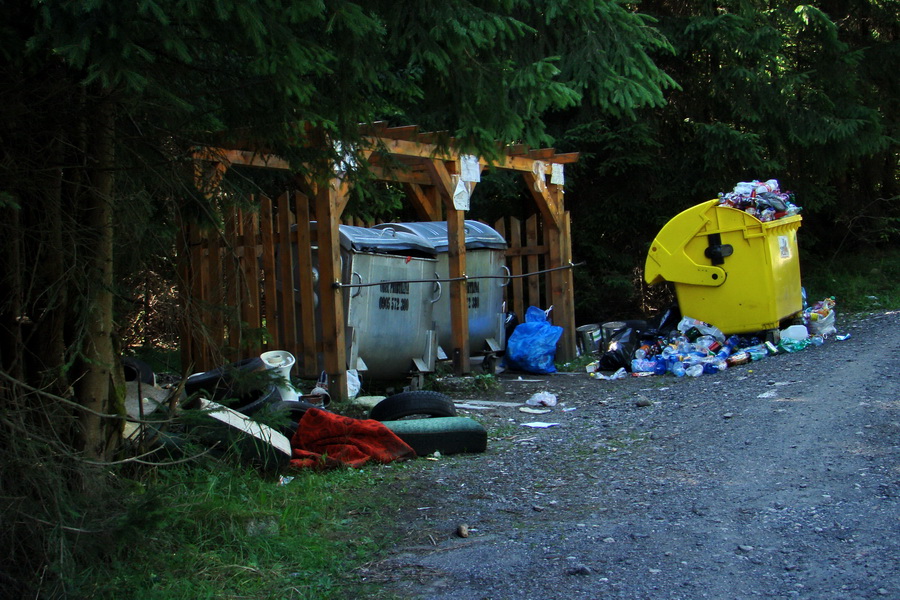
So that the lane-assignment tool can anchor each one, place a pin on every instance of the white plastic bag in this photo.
(823, 325)
(542, 399)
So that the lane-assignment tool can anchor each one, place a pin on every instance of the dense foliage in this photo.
(799, 93)
(102, 104)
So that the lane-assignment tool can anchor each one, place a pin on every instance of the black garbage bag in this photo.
(621, 350)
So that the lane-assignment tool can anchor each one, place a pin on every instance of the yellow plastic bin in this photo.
(729, 268)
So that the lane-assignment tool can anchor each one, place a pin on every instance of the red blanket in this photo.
(325, 440)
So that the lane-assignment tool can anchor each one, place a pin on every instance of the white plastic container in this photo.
(795, 332)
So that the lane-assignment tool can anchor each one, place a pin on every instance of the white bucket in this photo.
(282, 362)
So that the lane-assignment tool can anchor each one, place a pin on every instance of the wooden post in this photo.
(456, 234)
(459, 308)
(331, 298)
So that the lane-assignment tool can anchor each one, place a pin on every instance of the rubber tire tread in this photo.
(137, 370)
(407, 404)
(221, 383)
(447, 435)
(285, 414)
(251, 403)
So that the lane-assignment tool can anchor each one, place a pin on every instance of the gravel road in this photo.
(777, 479)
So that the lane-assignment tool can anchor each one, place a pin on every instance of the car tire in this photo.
(137, 370)
(447, 435)
(284, 415)
(415, 403)
(229, 381)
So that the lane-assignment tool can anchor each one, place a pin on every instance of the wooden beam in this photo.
(547, 203)
(517, 163)
(442, 179)
(426, 203)
(542, 154)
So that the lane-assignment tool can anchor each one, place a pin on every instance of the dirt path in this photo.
(778, 479)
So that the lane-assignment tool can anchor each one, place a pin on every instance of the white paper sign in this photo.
(558, 176)
(471, 170)
(461, 196)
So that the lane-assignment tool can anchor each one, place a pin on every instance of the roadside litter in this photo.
(694, 348)
(542, 399)
(532, 346)
(254, 409)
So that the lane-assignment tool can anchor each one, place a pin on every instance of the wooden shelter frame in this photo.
(429, 176)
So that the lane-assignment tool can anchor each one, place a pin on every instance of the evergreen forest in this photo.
(102, 103)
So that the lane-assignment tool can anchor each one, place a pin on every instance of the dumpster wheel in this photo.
(417, 403)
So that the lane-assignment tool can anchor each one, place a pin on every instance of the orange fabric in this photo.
(324, 440)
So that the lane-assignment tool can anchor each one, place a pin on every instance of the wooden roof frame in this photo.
(429, 182)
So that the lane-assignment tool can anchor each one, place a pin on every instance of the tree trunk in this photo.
(99, 435)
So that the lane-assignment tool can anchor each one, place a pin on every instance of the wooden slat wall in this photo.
(526, 253)
(241, 283)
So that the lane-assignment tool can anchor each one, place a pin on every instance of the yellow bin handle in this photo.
(667, 259)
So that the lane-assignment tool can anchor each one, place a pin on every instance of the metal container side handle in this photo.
(440, 290)
(358, 289)
(508, 276)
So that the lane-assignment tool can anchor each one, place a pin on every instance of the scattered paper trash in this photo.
(842, 337)
(539, 424)
(534, 411)
(542, 399)
(620, 374)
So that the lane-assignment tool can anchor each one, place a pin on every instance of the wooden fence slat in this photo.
(250, 312)
(233, 282)
(286, 304)
(307, 296)
(533, 265)
(214, 293)
(269, 304)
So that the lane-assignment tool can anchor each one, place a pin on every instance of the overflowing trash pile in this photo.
(695, 348)
(761, 199)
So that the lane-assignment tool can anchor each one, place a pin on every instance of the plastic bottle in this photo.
(642, 352)
(678, 369)
(643, 365)
(704, 342)
(728, 347)
(694, 370)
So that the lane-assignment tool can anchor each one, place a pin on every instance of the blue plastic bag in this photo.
(532, 345)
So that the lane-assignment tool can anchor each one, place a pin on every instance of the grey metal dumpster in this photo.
(389, 307)
(485, 257)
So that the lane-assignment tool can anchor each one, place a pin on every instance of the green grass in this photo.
(215, 530)
(859, 282)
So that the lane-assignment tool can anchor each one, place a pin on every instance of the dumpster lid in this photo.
(478, 235)
(383, 241)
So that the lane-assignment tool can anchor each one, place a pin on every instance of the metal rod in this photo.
(338, 284)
